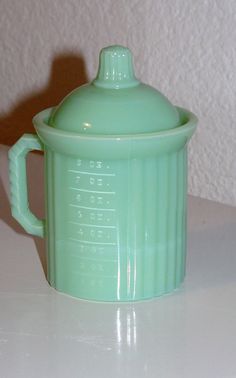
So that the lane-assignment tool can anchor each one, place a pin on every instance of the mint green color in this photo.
(116, 186)
(115, 102)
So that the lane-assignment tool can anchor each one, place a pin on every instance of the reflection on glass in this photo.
(86, 125)
(118, 266)
(126, 329)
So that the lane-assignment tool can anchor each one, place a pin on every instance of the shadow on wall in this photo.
(67, 72)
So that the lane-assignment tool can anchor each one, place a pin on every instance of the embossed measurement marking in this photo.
(92, 258)
(91, 242)
(90, 208)
(91, 191)
(92, 225)
(91, 173)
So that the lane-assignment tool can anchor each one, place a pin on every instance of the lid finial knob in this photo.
(115, 68)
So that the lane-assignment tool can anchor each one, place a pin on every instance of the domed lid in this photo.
(115, 102)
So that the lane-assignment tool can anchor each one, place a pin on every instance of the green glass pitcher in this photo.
(115, 155)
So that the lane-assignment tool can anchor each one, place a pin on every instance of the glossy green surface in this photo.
(115, 102)
(115, 204)
(118, 239)
(18, 184)
(116, 210)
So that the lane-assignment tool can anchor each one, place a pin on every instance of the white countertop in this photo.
(188, 334)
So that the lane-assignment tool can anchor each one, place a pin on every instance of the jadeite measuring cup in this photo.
(115, 155)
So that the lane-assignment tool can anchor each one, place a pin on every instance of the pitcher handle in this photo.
(18, 184)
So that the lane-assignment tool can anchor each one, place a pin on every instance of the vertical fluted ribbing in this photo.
(122, 221)
(179, 218)
(50, 222)
(163, 230)
(156, 225)
(171, 241)
(139, 227)
(135, 230)
(150, 212)
(59, 186)
(152, 239)
(184, 166)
